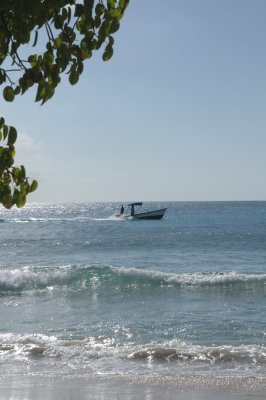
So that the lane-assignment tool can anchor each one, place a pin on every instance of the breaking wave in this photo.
(83, 353)
(81, 277)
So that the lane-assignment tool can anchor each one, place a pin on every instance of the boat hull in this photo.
(156, 214)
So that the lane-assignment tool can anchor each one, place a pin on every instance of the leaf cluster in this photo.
(14, 184)
(74, 30)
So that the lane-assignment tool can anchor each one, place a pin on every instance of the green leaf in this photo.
(7, 201)
(17, 90)
(123, 4)
(97, 21)
(5, 131)
(12, 136)
(48, 57)
(32, 60)
(99, 9)
(73, 77)
(58, 42)
(8, 93)
(111, 40)
(40, 92)
(115, 12)
(49, 47)
(101, 34)
(79, 10)
(114, 26)
(16, 175)
(22, 172)
(33, 185)
(2, 77)
(35, 39)
(107, 53)
(111, 3)
(64, 13)
(68, 14)
(20, 199)
(80, 68)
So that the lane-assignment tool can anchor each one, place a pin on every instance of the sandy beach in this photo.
(131, 387)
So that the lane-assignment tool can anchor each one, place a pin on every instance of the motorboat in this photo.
(154, 214)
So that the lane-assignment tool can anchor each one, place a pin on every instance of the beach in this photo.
(149, 387)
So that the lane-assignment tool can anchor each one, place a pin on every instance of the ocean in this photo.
(83, 292)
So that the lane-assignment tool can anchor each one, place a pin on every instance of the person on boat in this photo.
(122, 210)
(132, 213)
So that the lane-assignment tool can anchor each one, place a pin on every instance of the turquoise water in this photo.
(82, 291)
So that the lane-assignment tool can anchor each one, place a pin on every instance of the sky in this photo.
(178, 113)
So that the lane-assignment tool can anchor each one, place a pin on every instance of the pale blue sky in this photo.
(178, 113)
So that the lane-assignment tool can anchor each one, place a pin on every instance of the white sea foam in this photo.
(30, 278)
(194, 278)
(99, 353)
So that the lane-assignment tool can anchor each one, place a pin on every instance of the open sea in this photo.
(84, 292)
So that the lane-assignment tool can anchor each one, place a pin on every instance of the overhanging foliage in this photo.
(73, 31)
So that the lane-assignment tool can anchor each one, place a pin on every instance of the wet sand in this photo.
(131, 387)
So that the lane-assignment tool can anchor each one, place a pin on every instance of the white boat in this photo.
(155, 214)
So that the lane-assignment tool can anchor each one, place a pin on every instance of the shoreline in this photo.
(131, 387)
